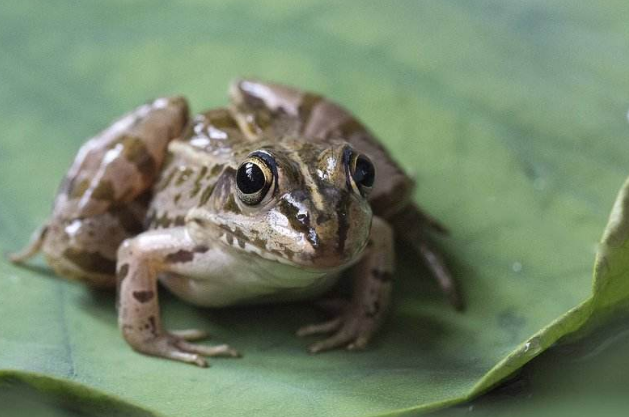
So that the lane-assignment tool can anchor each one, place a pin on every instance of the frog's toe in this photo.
(339, 339)
(33, 247)
(171, 347)
(176, 348)
(187, 357)
(320, 328)
(349, 331)
(333, 306)
(360, 343)
(190, 335)
(223, 351)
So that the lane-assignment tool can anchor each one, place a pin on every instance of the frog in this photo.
(277, 197)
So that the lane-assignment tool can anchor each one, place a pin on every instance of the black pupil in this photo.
(364, 173)
(250, 178)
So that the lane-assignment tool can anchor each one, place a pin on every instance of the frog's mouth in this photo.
(237, 241)
(214, 228)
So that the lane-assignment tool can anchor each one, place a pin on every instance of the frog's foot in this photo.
(440, 271)
(358, 319)
(410, 225)
(34, 246)
(176, 346)
(191, 335)
(352, 331)
(332, 306)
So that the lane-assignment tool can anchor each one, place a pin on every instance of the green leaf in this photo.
(586, 378)
(511, 115)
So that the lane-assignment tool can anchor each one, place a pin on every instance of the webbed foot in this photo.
(176, 346)
(351, 331)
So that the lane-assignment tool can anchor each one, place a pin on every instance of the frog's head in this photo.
(298, 202)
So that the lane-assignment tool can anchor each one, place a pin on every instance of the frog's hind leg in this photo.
(104, 196)
(411, 225)
(68, 255)
(85, 250)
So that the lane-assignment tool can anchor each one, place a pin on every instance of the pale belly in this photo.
(221, 278)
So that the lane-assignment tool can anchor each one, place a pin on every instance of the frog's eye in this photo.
(361, 172)
(254, 178)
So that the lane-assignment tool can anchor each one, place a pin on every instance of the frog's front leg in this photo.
(358, 322)
(140, 261)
